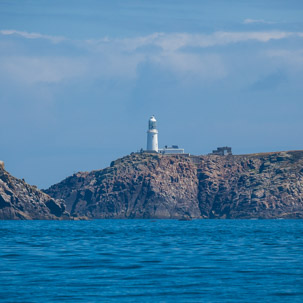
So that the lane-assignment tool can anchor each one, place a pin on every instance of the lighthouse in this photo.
(152, 135)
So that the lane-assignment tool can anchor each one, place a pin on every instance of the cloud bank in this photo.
(176, 41)
(168, 42)
(198, 56)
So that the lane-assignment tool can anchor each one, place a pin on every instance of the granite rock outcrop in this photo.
(268, 185)
(136, 186)
(20, 201)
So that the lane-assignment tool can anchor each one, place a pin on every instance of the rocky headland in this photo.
(268, 185)
(20, 201)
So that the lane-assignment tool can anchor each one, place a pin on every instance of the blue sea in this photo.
(151, 261)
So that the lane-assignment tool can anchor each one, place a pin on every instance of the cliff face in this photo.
(161, 186)
(137, 186)
(253, 186)
(20, 201)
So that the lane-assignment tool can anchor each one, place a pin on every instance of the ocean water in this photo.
(151, 261)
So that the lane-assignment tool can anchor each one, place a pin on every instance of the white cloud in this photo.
(168, 42)
(176, 41)
(54, 39)
(253, 21)
(32, 70)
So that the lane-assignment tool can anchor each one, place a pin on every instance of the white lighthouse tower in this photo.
(152, 135)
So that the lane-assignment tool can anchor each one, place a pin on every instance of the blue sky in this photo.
(79, 80)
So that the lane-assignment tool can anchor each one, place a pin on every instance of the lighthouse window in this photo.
(152, 125)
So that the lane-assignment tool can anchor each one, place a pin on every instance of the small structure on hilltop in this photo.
(222, 151)
(2, 164)
(174, 149)
(152, 141)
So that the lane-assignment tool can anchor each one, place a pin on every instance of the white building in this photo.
(152, 135)
(174, 149)
(152, 140)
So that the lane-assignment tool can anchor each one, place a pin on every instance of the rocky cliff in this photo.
(20, 201)
(160, 186)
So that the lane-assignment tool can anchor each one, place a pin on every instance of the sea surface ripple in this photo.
(151, 261)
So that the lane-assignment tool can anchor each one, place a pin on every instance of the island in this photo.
(159, 186)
